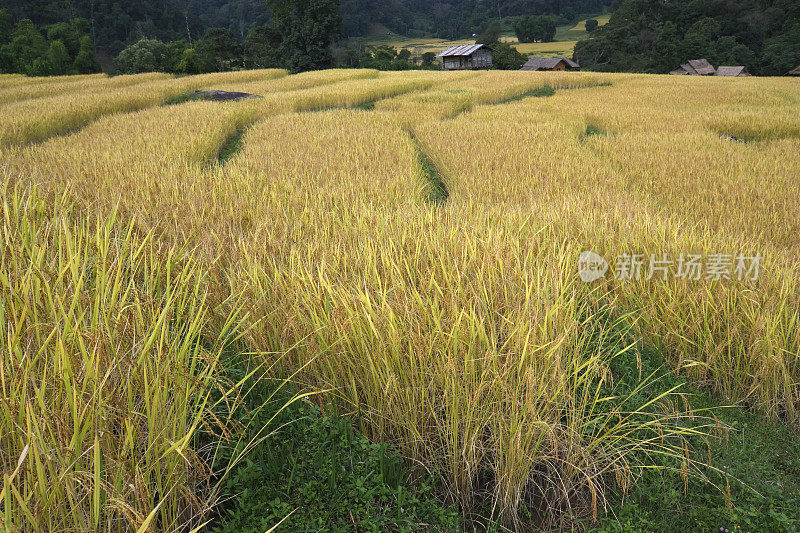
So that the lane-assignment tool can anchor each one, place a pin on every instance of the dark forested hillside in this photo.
(454, 18)
(657, 35)
(642, 36)
(116, 23)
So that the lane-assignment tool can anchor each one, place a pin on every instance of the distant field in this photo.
(407, 244)
(581, 26)
(559, 48)
(421, 46)
(564, 44)
(601, 19)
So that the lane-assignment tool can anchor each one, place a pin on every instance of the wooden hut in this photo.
(550, 64)
(466, 57)
(735, 72)
(695, 67)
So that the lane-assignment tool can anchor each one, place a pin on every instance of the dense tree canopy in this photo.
(56, 49)
(536, 28)
(656, 35)
(117, 23)
(307, 30)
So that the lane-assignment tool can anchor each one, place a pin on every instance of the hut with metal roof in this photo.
(550, 63)
(735, 72)
(466, 57)
(695, 67)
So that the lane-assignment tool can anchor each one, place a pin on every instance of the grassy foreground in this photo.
(406, 245)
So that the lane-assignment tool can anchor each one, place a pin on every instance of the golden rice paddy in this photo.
(459, 329)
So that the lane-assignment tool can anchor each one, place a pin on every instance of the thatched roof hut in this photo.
(550, 63)
(684, 70)
(736, 72)
(702, 67)
(795, 72)
(695, 67)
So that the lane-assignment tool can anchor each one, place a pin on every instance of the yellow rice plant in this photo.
(13, 80)
(637, 189)
(39, 119)
(463, 93)
(303, 80)
(462, 332)
(105, 376)
(349, 93)
(71, 85)
(459, 334)
(422, 337)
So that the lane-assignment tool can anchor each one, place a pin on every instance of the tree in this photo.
(67, 34)
(262, 48)
(506, 57)
(568, 15)
(174, 55)
(656, 36)
(535, 28)
(782, 53)
(591, 25)
(666, 50)
(728, 51)
(218, 51)
(146, 55)
(26, 47)
(6, 26)
(85, 61)
(307, 28)
(490, 36)
(58, 59)
(189, 64)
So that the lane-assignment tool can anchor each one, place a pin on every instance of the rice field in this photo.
(563, 46)
(406, 244)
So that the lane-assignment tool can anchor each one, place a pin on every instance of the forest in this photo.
(54, 37)
(115, 23)
(656, 36)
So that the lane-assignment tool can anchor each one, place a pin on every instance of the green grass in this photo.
(755, 466)
(231, 147)
(182, 98)
(592, 131)
(316, 473)
(541, 92)
(319, 474)
(434, 188)
(575, 32)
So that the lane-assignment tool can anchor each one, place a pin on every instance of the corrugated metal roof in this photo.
(461, 50)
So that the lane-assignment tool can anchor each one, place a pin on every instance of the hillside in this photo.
(655, 36)
(566, 38)
(115, 24)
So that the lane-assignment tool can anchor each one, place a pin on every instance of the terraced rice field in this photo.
(408, 243)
